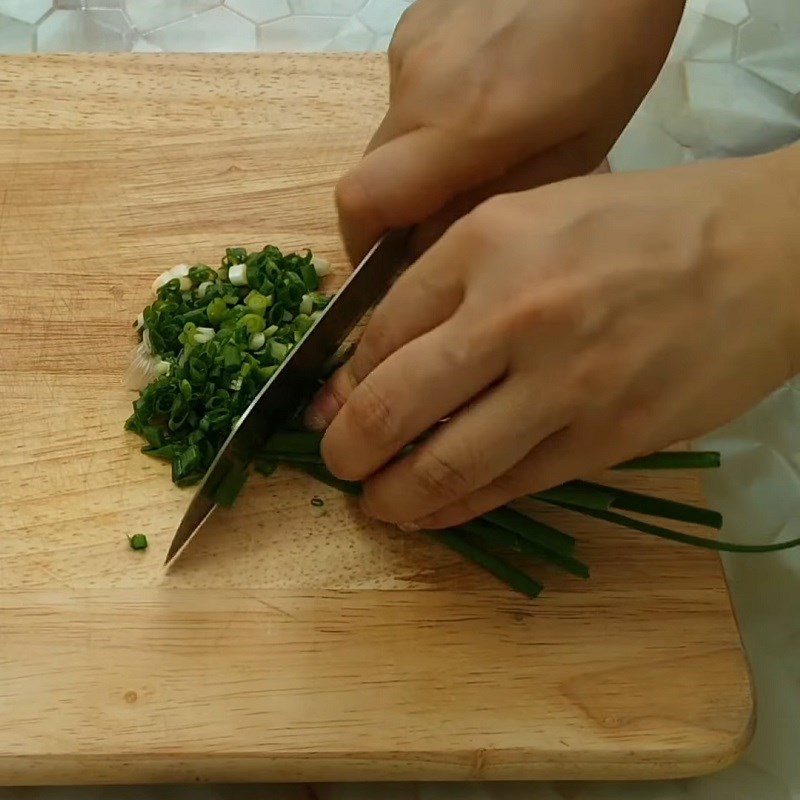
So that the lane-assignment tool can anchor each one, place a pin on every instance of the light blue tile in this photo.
(25, 10)
(84, 32)
(327, 8)
(260, 10)
(149, 14)
(15, 36)
(299, 34)
(218, 30)
(381, 16)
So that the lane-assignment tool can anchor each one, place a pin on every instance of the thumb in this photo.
(405, 180)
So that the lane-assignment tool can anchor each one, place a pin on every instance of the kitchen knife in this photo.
(295, 379)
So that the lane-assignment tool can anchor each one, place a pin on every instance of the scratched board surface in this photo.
(283, 646)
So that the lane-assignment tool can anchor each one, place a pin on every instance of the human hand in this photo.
(488, 98)
(568, 328)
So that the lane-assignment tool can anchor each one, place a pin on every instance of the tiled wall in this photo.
(196, 25)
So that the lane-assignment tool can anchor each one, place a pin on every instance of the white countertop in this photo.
(732, 86)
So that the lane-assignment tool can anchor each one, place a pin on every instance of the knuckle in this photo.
(480, 110)
(441, 477)
(411, 70)
(457, 355)
(341, 385)
(474, 343)
(397, 49)
(590, 378)
(376, 343)
(558, 307)
(372, 414)
(564, 307)
(483, 229)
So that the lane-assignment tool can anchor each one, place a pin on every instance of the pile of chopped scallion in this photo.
(212, 339)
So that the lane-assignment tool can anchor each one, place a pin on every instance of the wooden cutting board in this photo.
(283, 647)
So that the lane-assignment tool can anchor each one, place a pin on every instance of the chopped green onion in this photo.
(257, 341)
(258, 303)
(217, 338)
(216, 311)
(321, 266)
(203, 335)
(231, 356)
(310, 277)
(237, 274)
(278, 350)
(306, 304)
(253, 322)
(138, 541)
(234, 255)
(317, 506)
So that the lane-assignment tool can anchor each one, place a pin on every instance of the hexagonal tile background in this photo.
(197, 25)
(731, 87)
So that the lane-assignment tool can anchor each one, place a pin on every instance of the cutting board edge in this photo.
(461, 765)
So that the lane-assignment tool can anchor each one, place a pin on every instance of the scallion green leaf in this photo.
(672, 459)
(508, 574)
(683, 538)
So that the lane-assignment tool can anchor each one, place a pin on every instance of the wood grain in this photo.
(282, 647)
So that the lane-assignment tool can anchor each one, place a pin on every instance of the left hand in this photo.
(565, 329)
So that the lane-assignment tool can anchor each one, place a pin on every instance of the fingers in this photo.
(389, 128)
(404, 181)
(423, 382)
(480, 443)
(426, 295)
(562, 456)
(575, 157)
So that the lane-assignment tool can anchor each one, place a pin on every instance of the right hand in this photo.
(493, 97)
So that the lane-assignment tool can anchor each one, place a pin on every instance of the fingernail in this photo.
(321, 411)
(315, 421)
(408, 527)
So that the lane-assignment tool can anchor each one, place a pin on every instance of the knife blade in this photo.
(295, 378)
